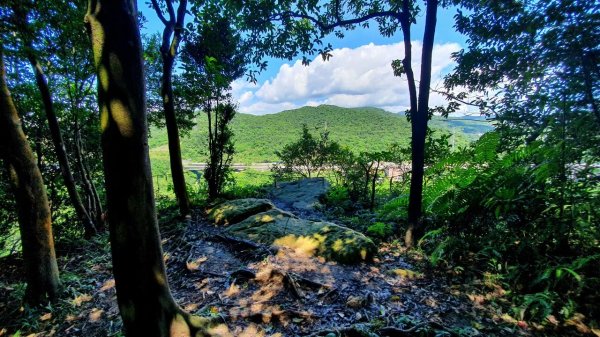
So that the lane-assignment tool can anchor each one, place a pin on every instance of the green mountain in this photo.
(258, 137)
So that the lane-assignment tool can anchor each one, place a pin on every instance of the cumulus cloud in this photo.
(261, 108)
(351, 78)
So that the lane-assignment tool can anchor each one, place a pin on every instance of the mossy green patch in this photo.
(234, 211)
(328, 240)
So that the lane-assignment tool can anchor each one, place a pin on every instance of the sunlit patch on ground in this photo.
(108, 284)
(77, 301)
(95, 315)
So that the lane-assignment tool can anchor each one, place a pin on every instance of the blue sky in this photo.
(358, 74)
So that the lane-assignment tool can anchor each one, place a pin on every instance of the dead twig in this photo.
(245, 245)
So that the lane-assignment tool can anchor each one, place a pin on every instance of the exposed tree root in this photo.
(291, 281)
(392, 331)
(241, 245)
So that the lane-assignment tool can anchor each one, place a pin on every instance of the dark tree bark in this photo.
(55, 133)
(168, 51)
(35, 222)
(95, 208)
(59, 147)
(419, 130)
(143, 294)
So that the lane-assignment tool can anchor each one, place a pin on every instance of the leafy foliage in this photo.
(307, 157)
(520, 203)
(380, 230)
(213, 58)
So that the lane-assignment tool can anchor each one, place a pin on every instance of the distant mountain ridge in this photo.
(367, 129)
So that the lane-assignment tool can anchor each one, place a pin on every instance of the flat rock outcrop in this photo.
(301, 195)
(234, 211)
(318, 238)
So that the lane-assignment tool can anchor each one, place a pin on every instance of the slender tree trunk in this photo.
(59, 147)
(412, 91)
(168, 51)
(210, 172)
(61, 153)
(92, 210)
(373, 185)
(145, 302)
(33, 210)
(419, 130)
(173, 137)
(39, 154)
(95, 208)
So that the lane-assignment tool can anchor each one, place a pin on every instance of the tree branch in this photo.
(463, 101)
(171, 11)
(159, 12)
(339, 22)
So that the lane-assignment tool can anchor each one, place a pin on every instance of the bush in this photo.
(526, 215)
(380, 230)
(307, 157)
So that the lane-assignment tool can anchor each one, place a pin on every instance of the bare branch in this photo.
(159, 12)
(171, 11)
(339, 22)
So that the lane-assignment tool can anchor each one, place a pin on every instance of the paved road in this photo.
(235, 167)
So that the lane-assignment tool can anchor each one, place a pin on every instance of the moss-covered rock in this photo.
(302, 194)
(234, 211)
(331, 241)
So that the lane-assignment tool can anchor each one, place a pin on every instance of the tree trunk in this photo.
(95, 208)
(373, 185)
(143, 295)
(92, 209)
(35, 222)
(209, 173)
(412, 91)
(173, 137)
(59, 146)
(419, 130)
(168, 51)
(61, 153)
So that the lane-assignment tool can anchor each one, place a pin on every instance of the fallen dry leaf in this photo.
(95, 315)
(109, 284)
(77, 301)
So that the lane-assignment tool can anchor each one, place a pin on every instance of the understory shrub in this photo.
(528, 215)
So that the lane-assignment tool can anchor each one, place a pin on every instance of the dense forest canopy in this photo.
(137, 199)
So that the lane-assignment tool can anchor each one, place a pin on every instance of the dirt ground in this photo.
(257, 291)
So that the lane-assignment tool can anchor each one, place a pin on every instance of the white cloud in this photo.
(260, 108)
(245, 97)
(351, 78)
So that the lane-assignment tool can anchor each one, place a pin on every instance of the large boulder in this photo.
(302, 194)
(234, 211)
(325, 239)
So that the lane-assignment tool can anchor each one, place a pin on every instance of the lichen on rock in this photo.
(234, 211)
(316, 238)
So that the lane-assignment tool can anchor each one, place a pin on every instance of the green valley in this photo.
(360, 129)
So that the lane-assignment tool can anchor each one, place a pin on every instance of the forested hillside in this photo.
(360, 129)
